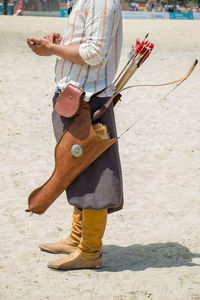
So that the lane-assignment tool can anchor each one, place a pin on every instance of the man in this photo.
(88, 57)
(5, 7)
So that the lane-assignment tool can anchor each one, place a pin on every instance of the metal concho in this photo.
(76, 150)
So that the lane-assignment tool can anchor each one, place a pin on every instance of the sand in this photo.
(152, 247)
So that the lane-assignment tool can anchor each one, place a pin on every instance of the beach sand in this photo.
(152, 247)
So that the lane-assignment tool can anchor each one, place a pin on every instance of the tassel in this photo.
(101, 131)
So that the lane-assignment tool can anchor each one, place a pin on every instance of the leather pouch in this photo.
(70, 101)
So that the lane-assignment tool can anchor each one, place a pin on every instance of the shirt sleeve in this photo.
(99, 23)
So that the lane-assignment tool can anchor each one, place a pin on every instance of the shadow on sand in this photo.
(140, 257)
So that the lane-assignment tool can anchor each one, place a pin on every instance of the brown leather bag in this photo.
(69, 102)
(79, 136)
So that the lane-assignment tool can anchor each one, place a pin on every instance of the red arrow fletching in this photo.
(142, 50)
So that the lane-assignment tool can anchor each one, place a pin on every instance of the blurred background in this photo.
(20, 6)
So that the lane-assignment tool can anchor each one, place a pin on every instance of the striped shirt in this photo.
(97, 26)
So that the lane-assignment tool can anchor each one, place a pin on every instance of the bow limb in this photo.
(101, 111)
(167, 83)
(163, 98)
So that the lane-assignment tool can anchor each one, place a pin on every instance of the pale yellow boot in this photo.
(70, 244)
(88, 253)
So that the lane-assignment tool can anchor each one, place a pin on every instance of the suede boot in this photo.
(88, 253)
(69, 244)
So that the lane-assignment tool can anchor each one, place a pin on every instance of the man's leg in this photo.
(71, 243)
(88, 253)
(60, 124)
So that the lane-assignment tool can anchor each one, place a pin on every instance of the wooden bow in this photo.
(167, 83)
(181, 80)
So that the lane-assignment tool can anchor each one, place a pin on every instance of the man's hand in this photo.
(44, 47)
(54, 38)
(40, 47)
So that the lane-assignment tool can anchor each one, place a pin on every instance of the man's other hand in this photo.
(54, 38)
(40, 47)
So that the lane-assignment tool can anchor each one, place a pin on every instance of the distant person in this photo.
(5, 7)
(194, 10)
(26, 5)
(44, 5)
(39, 6)
(171, 7)
(178, 8)
(133, 6)
(49, 5)
(166, 8)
